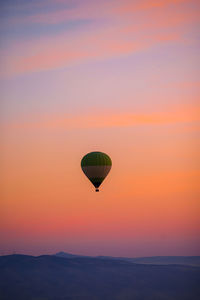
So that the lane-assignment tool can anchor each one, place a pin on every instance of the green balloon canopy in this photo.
(96, 166)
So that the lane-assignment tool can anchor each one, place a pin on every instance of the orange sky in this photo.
(113, 77)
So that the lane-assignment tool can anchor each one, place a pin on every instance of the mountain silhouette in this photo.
(50, 277)
(160, 260)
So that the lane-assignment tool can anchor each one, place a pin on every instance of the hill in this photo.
(158, 260)
(50, 277)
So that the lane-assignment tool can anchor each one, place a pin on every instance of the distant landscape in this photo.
(161, 260)
(66, 276)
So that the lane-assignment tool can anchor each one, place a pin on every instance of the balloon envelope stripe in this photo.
(96, 159)
(96, 171)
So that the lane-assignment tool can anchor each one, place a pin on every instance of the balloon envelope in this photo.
(96, 166)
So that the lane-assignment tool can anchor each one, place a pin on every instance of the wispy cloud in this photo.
(76, 10)
(68, 11)
(113, 38)
(132, 6)
(189, 114)
(63, 51)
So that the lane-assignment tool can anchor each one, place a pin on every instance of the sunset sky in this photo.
(117, 76)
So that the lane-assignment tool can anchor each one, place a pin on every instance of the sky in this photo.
(117, 76)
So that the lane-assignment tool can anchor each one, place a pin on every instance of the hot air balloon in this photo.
(96, 166)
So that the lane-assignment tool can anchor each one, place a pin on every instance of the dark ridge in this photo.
(162, 260)
(49, 277)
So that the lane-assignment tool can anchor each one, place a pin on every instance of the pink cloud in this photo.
(79, 11)
(92, 10)
(112, 39)
(64, 51)
(175, 115)
(129, 6)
